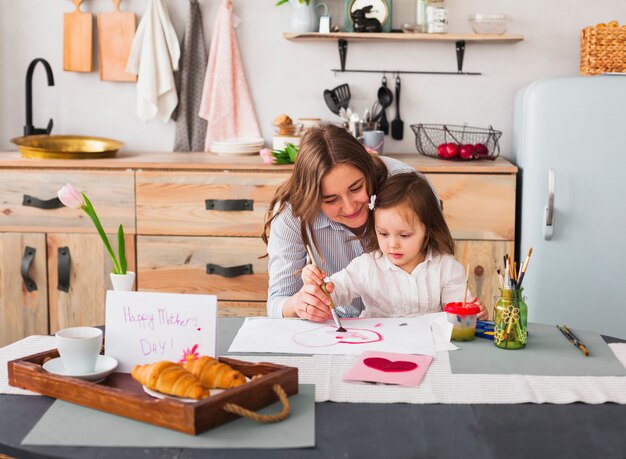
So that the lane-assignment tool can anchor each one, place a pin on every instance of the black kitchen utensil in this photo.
(397, 125)
(337, 98)
(385, 97)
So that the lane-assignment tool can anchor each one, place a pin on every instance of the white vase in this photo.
(303, 16)
(123, 282)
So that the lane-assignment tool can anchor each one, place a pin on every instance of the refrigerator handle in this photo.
(548, 228)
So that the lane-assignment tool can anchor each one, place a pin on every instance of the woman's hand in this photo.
(310, 303)
(483, 314)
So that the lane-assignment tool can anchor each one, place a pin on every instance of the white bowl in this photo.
(489, 24)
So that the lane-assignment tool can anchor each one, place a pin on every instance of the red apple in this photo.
(481, 150)
(452, 150)
(441, 150)
(466, 151)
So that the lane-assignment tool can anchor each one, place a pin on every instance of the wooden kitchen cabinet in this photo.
(32, 219)
(192, 224)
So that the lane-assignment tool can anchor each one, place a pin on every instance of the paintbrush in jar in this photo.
(331, 306)
(466, 282)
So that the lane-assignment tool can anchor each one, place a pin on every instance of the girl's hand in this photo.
(310, 303)
(483, 314)
(312, 275)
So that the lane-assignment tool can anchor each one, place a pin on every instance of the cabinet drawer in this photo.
(176, 203)
(179, 264)
(111, 193)
(477, 206)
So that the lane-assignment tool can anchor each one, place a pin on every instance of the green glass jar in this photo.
(510, 320)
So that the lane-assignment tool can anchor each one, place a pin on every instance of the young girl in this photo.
(408, 268)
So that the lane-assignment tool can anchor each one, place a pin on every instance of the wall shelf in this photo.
(458, 39)
(432, 37)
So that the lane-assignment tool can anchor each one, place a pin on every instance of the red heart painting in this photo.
(382, 364)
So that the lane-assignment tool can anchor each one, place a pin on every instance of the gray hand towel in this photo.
(190, 128)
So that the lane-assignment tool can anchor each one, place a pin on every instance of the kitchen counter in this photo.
(209, 161)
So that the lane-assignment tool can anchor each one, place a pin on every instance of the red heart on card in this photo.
(382, 364)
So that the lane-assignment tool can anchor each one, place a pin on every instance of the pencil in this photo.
(577, 341)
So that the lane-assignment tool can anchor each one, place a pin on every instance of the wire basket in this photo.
(429, 137)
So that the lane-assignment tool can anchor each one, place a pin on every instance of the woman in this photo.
(324, 204)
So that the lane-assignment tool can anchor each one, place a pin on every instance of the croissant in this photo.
(169, 378)
(214, 374)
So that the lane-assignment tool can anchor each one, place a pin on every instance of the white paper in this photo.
(144, 327)
(442, 331)
(295, 336)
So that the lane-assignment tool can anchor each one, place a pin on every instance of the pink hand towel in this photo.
(226, 102)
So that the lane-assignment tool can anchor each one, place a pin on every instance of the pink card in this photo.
(389, 368)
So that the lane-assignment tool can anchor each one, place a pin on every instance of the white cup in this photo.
(79, 348)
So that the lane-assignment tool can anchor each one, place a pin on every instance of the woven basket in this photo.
(602, 49)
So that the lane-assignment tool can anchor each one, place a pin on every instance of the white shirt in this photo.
(287, 254)
(388, 291)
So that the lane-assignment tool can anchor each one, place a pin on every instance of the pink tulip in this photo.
(70, 197)
(266, 154)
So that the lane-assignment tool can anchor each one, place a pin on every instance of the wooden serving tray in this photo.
(120, 394)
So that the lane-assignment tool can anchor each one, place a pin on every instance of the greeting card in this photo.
(389, 368)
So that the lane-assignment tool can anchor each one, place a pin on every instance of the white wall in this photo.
(289, 77)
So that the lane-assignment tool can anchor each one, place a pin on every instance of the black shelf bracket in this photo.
(460, 54)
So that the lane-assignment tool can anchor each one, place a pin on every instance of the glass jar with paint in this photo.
(463, 320)
(510, 319)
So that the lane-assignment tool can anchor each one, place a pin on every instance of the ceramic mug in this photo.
(79, 348)
(374, 140)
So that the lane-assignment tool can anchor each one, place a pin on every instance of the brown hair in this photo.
(320, 150)
(413, 194)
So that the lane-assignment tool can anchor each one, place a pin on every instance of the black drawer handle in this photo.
(54, 203)
(63, 269)
(233, 271)
(229, 204)
(27, 261)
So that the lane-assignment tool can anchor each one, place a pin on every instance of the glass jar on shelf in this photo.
(436, 17)
(420, 16)
(510, 319)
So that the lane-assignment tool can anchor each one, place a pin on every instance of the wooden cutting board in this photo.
(115, 38)
(77, 40)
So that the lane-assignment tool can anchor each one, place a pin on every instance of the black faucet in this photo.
(29, 129)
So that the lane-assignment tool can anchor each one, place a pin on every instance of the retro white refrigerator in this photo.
(570, 144)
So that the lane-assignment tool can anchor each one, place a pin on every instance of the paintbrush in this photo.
(466, 282)
(331, 306)
(524, 268)
(576, 341)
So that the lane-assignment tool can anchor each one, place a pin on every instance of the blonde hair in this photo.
(412, 193)
(320, 150)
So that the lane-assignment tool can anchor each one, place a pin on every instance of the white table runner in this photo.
(439, 384)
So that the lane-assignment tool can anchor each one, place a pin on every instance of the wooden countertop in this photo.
(209, 161)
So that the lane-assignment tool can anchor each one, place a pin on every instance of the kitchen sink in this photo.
(66, 147)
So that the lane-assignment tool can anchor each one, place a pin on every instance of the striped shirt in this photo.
(287, 254)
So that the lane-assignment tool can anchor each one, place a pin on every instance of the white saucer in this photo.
(104, 367)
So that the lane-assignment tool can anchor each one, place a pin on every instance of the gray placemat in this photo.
(66, 424)
(547, 353)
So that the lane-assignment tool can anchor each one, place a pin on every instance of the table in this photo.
(390, 431)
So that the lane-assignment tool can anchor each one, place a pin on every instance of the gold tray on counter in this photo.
(66, 147)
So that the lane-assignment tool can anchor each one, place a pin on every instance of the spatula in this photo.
(115, 38)
(337, 98)
(397, 125)
(77, 40)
